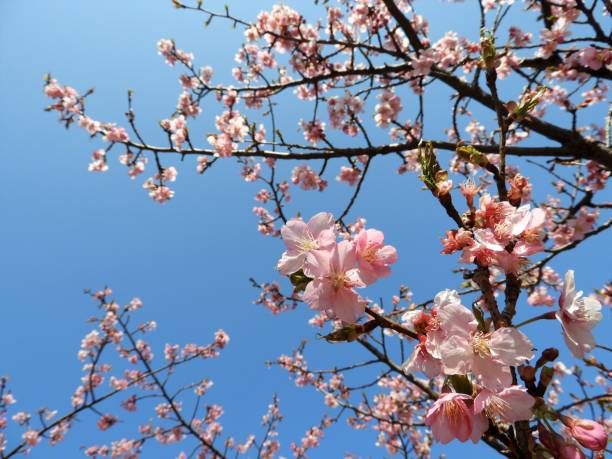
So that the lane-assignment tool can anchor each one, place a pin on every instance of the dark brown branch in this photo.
(327, 153)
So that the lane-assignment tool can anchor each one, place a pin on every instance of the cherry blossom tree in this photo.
(525, 96)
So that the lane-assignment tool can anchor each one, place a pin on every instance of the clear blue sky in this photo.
(65, 229)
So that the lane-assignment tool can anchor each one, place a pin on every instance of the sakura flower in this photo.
(435, 333)
(422, 360)
(373, 256)
(335, 275)
(307, 178)
(503, 225)
(302, 238)
(540, 297)
(349, 175)
(31, 437)
(578, 315)
(465, 348)
(510, 405)
(314, 131)
(450, 418)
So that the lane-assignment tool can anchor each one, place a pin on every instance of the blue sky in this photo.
(65, 229)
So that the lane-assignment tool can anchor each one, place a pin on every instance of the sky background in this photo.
(65, 229)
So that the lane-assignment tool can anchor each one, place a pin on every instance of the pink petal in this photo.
(288, 264)
(519, 404)
(481, 424)
(492, 374)
(319, 222)
(510, 346)
(456, 355)
(294, 232)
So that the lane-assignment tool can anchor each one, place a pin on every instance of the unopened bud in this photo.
(546, 376)
(350, 333)
(519, 111)
(299, 280)
(588, 433)
(487, 49)
(472, 155)
(461, 384)
(527, 373)
(548, 355)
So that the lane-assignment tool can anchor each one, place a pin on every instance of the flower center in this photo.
(480, 345)
(503, 231)
(306, 245)
(338, 280)
(369, 254)
(496, 407)
(532, 235)
(452, 412)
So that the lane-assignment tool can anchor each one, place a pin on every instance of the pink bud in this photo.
(590, 434)
(569, 451)
(558, 445)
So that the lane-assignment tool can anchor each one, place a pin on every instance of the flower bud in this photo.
(487, 49)
(548, 355)
(557, 445)
(527, 373)
(472, 155)
(431, 172)
(299, 280)
(588, 433)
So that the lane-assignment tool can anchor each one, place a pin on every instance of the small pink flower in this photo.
(422, 360)
(335, 275)
(540, 297)
(303, 238)
(464, 348)
(308, 179)
(450, 418)
(106, 422)
(115, 134)
(578, 315)
(349, 175)
(314, 131)
(510, 405)
(31, 437)
(373, 256)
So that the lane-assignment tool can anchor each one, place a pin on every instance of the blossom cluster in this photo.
(334, 269)
(503, 235)
(453, 342)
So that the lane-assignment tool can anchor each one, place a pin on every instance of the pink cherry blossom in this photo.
(510, 405)
(115, 134)
(422, 360)
(488, 355)
(540, 297)
(373, 256)
(307, 178)
(502, 226)
(559, 446)
(303, 238)
(314, 131)
(335, 276)
(578, 315)
(451, 418)
(387, 109)
(31, 437)
(349, 175)
(98, 161)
